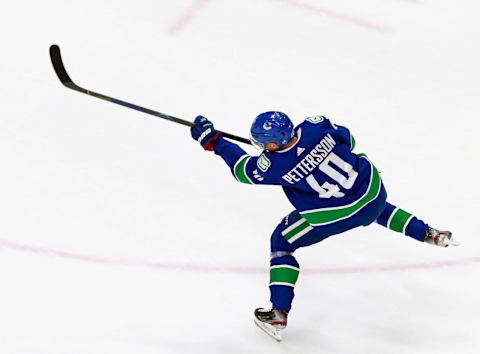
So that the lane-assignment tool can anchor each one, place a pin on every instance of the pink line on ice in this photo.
(132, 263)
(335, 15)
(187, 17)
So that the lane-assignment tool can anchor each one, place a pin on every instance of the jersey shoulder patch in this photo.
(263, 163)
(321, 121)
(316, 119)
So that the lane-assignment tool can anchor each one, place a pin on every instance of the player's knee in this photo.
(279, 244)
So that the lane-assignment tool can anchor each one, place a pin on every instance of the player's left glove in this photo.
(204, 132)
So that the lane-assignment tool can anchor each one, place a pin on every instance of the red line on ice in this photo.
(187, 17)
(335, 15)
(132, 263)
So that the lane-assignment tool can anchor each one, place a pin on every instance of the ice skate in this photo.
(271, 321)
(439, 238)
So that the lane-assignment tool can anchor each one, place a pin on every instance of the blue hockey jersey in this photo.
(323, 179)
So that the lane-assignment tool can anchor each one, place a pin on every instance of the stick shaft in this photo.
(65, 79)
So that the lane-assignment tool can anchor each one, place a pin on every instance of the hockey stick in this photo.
(62, 74)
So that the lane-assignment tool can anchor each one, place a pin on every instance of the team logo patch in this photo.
(316, 119)
(263, 163)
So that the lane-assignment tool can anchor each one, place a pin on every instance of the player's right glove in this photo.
(204, 132)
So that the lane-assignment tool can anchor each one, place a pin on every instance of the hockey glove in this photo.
(204, 132)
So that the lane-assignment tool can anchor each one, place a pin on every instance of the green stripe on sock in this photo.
(283, 275)
(296, 230)
(239, 170)
(399, 220)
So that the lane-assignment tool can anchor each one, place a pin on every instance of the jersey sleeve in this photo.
(245, 168)
(342, 132)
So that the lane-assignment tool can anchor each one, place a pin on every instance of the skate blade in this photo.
(273, 332)
(452, 242)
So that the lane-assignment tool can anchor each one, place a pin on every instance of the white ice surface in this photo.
(118, 234)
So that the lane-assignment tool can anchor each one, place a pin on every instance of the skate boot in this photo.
(271, 321)
(439, 238)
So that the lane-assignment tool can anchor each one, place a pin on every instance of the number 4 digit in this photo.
(327, 190)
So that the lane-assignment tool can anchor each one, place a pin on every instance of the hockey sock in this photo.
(284, 273)
(399, 220)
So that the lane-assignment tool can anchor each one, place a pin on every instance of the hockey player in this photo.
(331, 188)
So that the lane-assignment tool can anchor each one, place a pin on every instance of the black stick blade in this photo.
(62, 74)
(57, 63)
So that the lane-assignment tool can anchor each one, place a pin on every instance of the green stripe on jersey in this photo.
(399, 220)
(239, 170)
(353, 143)
(325, 216)
(284, 274)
